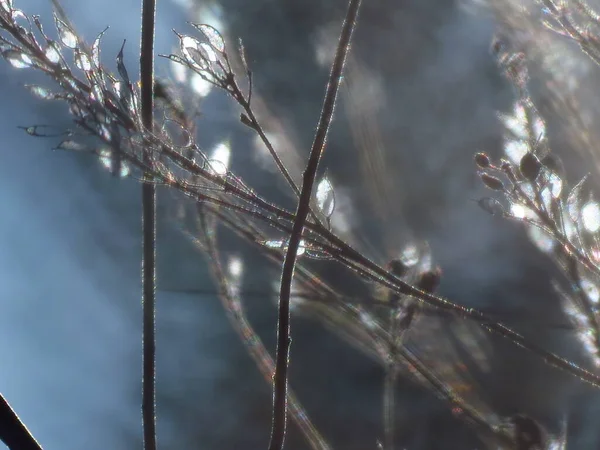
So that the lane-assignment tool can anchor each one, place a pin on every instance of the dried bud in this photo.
(530, 166)
(430, 280)
(492, 182)
(397, 267)
(482, 160)
(554, 163)
(529, 434)
(491, 206)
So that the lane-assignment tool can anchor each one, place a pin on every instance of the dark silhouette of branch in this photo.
(13, 432)
(149, 234)
(309, 176)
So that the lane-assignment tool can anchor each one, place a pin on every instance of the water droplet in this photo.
(590, 216)
(325, 197)
(66, 35)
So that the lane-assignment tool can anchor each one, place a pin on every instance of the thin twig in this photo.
(309, 176)
(235, 312)
(149, 233)
(389, 406)
(13, 432)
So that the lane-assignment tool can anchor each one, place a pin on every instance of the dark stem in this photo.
(149, 234)
(389, 405)
(13, 432)
(283, 327)
(237, 316)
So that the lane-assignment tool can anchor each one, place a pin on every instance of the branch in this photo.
(13, 432)
(149, 234)
(283, 326)
(236, 315)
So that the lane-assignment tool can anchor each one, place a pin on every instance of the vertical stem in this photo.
(149, 234)
(283, 326)
(13, 433)
(389, 405)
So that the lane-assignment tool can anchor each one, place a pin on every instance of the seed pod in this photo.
(492, 182)
(530, 166)
(529, 434)
(430, 280)
(491, 206)
(554, 163)
(482, 160)
(397, 267)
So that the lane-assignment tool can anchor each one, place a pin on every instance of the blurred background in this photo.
(422, 94)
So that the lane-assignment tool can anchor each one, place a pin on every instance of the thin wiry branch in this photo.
(309, 176)
(235, 312)
(149, 233)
